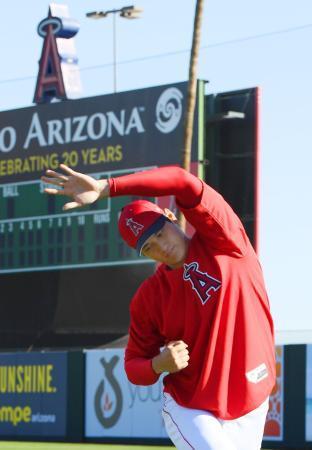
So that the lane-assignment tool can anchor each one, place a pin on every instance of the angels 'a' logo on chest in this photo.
(202, 283)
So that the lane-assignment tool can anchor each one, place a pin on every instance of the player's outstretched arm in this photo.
(81, 188)
(168, 180)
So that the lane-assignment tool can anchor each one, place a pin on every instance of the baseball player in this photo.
(203, 317)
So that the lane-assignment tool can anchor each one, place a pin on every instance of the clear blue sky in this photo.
(244, 44)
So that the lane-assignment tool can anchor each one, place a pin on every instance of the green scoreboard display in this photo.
(104, 136)
(36, 235)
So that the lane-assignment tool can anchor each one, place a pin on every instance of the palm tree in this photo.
(191, 94)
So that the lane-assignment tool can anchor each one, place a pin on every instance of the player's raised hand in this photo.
(82, 188)
(173, 358)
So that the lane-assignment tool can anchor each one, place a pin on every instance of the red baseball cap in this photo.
(138, 221)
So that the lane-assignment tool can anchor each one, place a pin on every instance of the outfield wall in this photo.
(85, 396)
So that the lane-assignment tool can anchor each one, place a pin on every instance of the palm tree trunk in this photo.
(191, 95)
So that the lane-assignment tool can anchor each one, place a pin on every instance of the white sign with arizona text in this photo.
(115, 407)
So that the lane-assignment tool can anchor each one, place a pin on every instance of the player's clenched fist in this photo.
(173, 358)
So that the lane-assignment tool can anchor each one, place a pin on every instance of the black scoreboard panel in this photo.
(67, 308)
(232, 152)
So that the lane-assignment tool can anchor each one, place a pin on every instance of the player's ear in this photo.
(171, 216)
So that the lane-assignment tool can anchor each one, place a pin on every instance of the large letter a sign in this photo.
(58, 75)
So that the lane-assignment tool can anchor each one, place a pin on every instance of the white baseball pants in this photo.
(200, 430)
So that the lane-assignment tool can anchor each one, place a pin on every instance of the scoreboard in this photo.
(66, 276)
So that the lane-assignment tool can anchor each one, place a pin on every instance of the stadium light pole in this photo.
(127, 12)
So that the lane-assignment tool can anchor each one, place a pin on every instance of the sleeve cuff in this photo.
(140, 371)
(112, 187)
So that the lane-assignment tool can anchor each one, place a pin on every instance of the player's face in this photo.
(169, 245)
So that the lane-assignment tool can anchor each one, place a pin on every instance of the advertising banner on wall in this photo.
(33, 394)
(116, 408)
(273, 430)
(309, 394)
(104, 133)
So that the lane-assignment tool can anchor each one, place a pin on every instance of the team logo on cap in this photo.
(135, 227)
